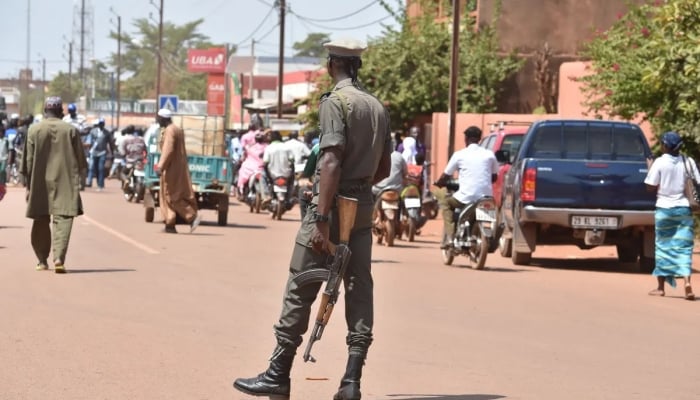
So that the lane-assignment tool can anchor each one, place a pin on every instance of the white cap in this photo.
(346, 47)
(165, 113)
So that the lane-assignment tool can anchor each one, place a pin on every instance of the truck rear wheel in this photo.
(628, 252)
(647, 264)
(519, 258)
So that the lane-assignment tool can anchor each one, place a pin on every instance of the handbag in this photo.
(691, 188)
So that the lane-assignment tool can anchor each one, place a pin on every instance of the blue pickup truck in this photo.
(579, 182)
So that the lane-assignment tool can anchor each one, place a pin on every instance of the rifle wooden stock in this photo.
(347, 210)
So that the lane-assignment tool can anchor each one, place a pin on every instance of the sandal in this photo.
(42, 266)
(657, 292)
(59, 268)
(689, 295)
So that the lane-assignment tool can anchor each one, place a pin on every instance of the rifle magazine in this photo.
(315, 275)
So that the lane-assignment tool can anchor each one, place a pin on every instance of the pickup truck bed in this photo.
(582, 183)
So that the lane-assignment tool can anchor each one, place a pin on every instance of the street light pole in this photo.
(454, 70)
(280, 74)
(160, 47)
(119, 63)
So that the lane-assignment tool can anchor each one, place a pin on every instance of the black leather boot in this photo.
(350, 384)
(274, 381)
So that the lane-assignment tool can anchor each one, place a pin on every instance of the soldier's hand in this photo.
(320, 237)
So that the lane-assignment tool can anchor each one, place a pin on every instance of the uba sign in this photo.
(207, 60)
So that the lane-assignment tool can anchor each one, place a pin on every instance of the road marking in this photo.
(121, 236)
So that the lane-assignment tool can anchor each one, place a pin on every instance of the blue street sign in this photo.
(168, 101)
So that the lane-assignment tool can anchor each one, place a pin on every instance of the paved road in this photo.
(144, 315)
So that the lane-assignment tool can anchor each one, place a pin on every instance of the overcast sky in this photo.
(225, 21)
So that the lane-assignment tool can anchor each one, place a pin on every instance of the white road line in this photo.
(120, 236)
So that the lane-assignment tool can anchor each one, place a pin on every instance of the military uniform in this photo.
(362, 140)
(53, 164)
(357, 124)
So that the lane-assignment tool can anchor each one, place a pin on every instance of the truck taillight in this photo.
(527, 192)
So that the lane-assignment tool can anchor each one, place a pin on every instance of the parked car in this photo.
(579, 182)
(504, 136)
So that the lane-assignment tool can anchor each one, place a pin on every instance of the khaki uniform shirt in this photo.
(360, 129)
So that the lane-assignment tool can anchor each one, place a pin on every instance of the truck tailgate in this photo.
(591, 184)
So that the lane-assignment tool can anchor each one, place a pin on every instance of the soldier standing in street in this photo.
(355, 149)
(53, 164)
(176, 194)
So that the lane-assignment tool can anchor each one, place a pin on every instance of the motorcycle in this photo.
(410, 220)
(386, 217)
(475, 231)
(252, 192)
(430, 206)
(133, 177)
(282, 200)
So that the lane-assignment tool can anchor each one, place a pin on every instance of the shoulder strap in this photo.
(344, 105)
(688, 173)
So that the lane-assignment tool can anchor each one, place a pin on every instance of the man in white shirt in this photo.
(478, 170)
(279, 161)
(299, 149)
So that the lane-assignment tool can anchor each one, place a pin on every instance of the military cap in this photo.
(53, 103)
(345, 47)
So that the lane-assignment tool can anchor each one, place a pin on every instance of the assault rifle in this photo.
(347, 208)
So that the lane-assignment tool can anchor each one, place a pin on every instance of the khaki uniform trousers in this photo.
(357, 284)
(41, 237)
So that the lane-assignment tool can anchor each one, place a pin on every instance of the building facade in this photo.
(526, 27)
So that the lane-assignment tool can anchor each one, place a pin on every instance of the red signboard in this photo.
(207, 60)
(216, 94)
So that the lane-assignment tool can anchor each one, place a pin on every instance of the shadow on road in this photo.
(447, 396)
(10, 227)
(587, 264)
(384, 262)
(244, 226)
(90, 271)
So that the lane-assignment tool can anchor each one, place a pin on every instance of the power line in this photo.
(371, 3)
(267, 33)
(347, 28)
(272, 8)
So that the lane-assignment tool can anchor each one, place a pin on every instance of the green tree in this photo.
(66, 86)
(312, 46)
(140, 60)
(646, 66)
(409, 67)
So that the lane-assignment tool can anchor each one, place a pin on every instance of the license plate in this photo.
(589, 221)
(412, 202)
(485, 215)
(390, 205)
(279, 189)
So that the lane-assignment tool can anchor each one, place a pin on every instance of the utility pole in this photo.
(29, 14)
(82, 42)
(119, 63)
(160, 47)
(250, 78)
(454, 70)
(280, 75)
(43, 69)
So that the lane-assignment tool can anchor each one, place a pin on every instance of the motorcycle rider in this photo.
(10, 134)
(394, 181)
(478, 170)
(133, 146)
(410, 146)
(252, 162)
(255, 126)
(298, 148)
(278, 162)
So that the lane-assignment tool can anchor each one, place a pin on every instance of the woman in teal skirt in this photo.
(674, 221)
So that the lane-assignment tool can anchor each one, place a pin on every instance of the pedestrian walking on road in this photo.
(176, 194)
(673, 219)
(354, 133)
(53, 165)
